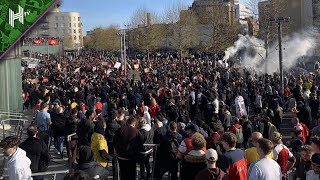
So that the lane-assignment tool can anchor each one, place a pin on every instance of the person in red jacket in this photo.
(154, 108)
(232, 162)
(99, 104)
(237, 127)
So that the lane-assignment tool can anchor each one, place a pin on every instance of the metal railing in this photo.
(53, 173)
(18, 127)
(154, 156)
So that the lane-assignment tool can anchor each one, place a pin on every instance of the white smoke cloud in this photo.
(253, 53)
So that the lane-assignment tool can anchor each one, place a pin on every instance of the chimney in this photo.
(148, 19)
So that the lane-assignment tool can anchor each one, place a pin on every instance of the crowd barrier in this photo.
(16, 129)
(53, 173)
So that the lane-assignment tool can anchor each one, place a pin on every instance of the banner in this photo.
(53, 42)
(104, 63)
(77, 70)
(32, 66)
(38, 41)
(117, 65)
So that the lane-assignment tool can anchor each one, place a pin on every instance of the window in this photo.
(63, 31)
(62, 18)
(74, 18)
(56, 18)
(69, 24)
(79, 18)
(79, 37)
(56, 25)
(69, 31)
(75, 37)
(63, 25)
(79, 31)
(79, 24)
(69, 18)
(74, 31)
(74, 24)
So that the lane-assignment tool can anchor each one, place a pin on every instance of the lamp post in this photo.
(279, 21)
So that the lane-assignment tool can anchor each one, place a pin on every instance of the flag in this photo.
(53, 42)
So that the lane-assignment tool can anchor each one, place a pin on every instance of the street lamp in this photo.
(279, 21)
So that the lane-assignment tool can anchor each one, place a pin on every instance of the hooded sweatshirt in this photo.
(211, 174)
(88, 165)
(146, 114)
(19, 166)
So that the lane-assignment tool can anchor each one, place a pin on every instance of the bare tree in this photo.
(183, 29)
(219, 29)
(67, 42)
(147, 32)
(104, 39)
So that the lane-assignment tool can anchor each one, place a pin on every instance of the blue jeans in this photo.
(58, 143)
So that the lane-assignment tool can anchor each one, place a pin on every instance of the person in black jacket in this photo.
(304, 113)
(58, 127)
(147, 136)
(37, 152)
(247, 130)
(87, 164)
(128, 144)
(71, 128)
(85, 129)
(167, 156)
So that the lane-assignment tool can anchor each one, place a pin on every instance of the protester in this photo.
(315, 144)
(87, 164)
(71, 129)
(147, 138)
(212, 172)
(194, 161)
(282, 155)
(315, 172)
(233, 161)
(267, 128)
(36, 151)
(265, 168)
(303, 163)
(252, 154)
(43, 122)
(167, 159)
(85, 129)
(58, 126)
(128, 144)
(186, 145)
(18, 164)
(99, 144)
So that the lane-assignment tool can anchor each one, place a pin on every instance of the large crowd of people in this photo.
(205, 120)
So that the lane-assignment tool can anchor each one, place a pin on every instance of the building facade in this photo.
(300, 13)
(65, 25)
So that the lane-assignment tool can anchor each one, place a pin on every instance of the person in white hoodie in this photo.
(146, 114)
(18, 163)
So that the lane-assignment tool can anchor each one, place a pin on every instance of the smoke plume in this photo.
(251, 54)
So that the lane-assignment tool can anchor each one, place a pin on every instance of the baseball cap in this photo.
(276, 136)
(192, 127)
(211, 155)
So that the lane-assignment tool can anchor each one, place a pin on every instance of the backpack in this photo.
(173, 149)
(305, 130)
(239, 135)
